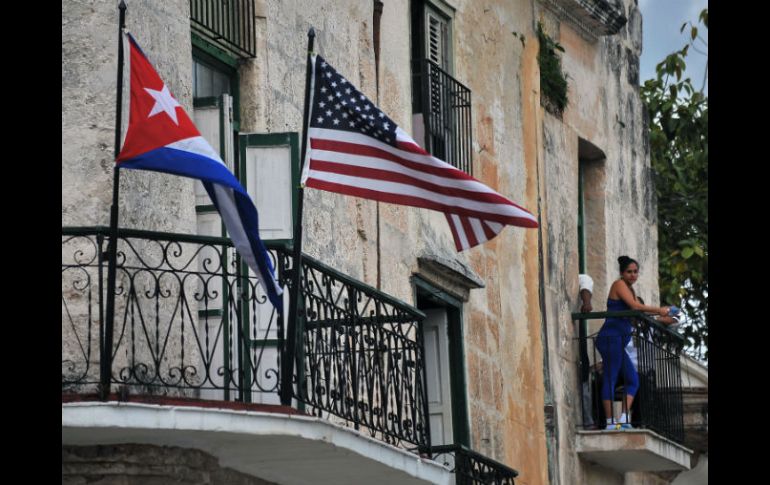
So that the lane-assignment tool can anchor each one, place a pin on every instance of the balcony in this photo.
(442, 108)
(227, 23)
(655, 440)
(470, 467)
(593, 18)
(199, 358)
(695, 402)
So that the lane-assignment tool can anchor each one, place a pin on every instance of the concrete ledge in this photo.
(632, 450)
(592, 17)
(282, 448)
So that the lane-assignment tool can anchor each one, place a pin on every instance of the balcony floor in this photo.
(632, 450)
(276, 446)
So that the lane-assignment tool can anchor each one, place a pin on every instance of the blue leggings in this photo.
(612, 347)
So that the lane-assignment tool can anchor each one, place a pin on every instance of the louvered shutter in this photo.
(437, 39)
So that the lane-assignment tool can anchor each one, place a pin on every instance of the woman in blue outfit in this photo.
(615, 335)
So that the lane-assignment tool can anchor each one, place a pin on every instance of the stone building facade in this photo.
(509, 299)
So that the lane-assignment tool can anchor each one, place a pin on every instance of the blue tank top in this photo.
(615, 325)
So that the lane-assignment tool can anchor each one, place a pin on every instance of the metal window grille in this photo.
(445, 105)
(227, 23)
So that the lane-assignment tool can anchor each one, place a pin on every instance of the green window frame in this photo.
(424, 14)
(581, 222)
(219, 60)
(290, 139)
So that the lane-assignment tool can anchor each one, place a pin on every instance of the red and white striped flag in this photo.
(355, 149)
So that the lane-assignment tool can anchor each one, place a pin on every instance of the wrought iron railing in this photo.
(362, 356)
(190, 321)
(229, 23)
(651, 357)
(471, 468)
(445, 105)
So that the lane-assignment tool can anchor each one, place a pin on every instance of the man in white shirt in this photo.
(586, 284)
(586, 291)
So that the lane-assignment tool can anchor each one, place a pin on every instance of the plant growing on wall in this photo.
(553, 82)
(678, 116)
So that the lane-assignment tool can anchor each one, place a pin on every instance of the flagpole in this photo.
(376, 42)
(290, 351)
(112, 249)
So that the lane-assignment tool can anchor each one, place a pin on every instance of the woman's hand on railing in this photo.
(668, 320)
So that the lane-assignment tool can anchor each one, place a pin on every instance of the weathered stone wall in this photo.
(501, 327)
(591, 473)
(134, 464)
(606, 111)
(339, 230)
(502, 323)
(148, 200)
(89, 68)
(697, 476)
(646, 478)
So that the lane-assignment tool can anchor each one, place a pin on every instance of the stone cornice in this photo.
(592, 18)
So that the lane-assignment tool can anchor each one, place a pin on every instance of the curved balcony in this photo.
(194, 335)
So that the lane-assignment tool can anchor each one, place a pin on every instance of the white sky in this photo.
(661, 20)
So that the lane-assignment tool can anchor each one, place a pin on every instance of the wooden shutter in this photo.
(435, 328)
(437, 38)
(270, 174)
(213, 118)
(269, 171)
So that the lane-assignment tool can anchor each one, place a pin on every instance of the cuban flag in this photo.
(161, 137)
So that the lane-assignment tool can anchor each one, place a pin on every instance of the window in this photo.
(208, 81)
(215, 82)
(591, 239)
(441, 105)
(267, 165)
(590, 217)
(228, 24)
(437, 45)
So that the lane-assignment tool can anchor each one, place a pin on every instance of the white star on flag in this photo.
(163, 102)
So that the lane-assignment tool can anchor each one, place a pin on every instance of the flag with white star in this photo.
(162, 138)
(354, 148)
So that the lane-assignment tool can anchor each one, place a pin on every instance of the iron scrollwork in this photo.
(472, 468)
(362, 356)
(191, 321)
(658, 403)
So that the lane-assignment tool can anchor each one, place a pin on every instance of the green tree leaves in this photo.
(678, 115)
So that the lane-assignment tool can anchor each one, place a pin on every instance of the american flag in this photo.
(356, 149)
